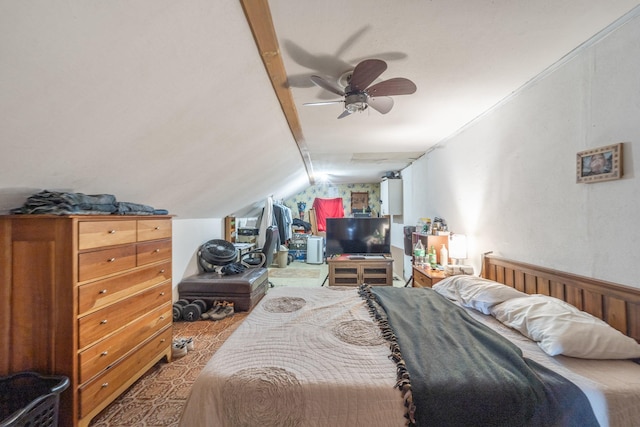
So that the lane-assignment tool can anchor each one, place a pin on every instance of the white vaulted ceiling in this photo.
(170, 103)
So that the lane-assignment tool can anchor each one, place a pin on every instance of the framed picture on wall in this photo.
(599, 164)
(359, 201)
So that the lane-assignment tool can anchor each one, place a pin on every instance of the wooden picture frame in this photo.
(359, 201)
(599, 164)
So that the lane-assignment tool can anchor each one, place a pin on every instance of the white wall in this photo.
(188, 235)
(508, 179)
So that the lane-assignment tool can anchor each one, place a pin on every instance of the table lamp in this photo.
(458, 247)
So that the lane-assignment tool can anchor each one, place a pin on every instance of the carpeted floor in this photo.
(298, 273)
(158, 397)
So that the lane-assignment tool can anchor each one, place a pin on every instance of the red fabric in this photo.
(327, 208)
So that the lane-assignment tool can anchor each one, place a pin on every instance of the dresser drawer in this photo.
(158, 250)
(96, 234)
(102, 355)
(420, 279)
(106, 386)
(107, 291)
(101, 323)
(153, 229)
(92, 265)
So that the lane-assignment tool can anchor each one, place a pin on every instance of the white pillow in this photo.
(483, 296)
(476, 292)
(447, 287)
(560, 328)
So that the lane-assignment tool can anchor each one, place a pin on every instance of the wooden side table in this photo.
(348, 270)
(425, 277)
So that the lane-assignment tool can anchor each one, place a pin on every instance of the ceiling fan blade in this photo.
(319, 81)
(366, 72)
(321, 64)
(381, 104)
(344, 114)
(385, 56)
(395, 86)
(351, 41)
(323, 103)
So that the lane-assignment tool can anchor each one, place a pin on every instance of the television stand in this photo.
(354, 270)
(361, 257)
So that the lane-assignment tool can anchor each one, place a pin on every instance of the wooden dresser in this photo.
(88, 297)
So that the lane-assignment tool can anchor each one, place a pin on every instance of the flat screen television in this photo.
(358, 236)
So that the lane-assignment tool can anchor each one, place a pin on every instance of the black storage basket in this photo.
(28, 399)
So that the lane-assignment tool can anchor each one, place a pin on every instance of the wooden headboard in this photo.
(617, 305)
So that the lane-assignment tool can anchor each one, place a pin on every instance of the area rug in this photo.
(293, 273)
(157, 398)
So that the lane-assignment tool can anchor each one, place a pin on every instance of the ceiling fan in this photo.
(358, 95)
(329, 64)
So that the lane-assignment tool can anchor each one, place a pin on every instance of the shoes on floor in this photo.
(215, 308)
(178, 349)
(188, 342)
(224, 309)
(181, 346)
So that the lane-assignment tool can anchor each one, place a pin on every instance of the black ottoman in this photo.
(244, 289)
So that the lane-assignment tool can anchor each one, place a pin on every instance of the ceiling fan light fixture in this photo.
(356, 102)
(358, 95)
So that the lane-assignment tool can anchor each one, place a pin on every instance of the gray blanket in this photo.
(455, 371)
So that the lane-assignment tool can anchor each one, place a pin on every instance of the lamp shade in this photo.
(458, 246)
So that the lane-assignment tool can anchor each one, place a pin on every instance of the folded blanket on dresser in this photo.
(461, 373)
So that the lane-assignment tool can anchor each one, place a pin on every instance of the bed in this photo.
(349, 356)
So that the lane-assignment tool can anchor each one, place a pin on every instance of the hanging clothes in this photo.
(283, 219)
(327, 208)
(266, 220)
(279, 219)
(288, 223)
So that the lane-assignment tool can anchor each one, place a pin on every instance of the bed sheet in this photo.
(314, 357)
(304, 356)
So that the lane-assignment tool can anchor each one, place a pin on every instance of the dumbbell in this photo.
(177, 309)
(190, 312)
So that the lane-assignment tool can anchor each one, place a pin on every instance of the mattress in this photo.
(314, 357)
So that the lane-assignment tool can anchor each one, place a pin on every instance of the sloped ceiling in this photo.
(170, 104)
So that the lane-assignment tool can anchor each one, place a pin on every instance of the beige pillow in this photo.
(560, 328)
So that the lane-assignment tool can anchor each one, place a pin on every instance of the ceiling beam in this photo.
(259, 17)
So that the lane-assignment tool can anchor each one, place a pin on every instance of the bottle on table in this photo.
(444, 256)
(419, 252)
(432, 257)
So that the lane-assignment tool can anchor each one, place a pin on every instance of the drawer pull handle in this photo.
(103, 291)
(161, 294)
(104, 353)
(162, 271)
(157, 250)
(103, 322)
(111, 260)
(112, 231)
(162, 340)
(105, 385)
(157, 228)
(161, 317)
